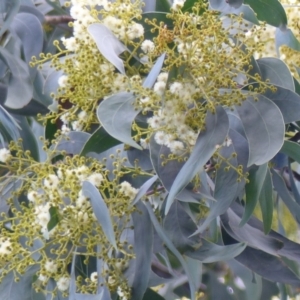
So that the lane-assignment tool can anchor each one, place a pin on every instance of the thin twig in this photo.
(55, 20)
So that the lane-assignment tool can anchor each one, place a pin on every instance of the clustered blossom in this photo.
(63, 81)
(76, 125)
(56, 196)
(4, 155)
(135, 31)
(96, 179)
(94, 277)
(180, 102)
(128, 190)
(87, 75)
(179, 105)
(121, 294)
(42, 218)
(63, 283)
(288, 55)
(285, 53)
(147, 46)
(51, 182)
(58, 213)
(5, 246)
(169, 124)
(178, 4)
(50, 266)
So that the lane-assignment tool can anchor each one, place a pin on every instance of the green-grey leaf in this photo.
(287, 101)
(107, 43)
(152, 76)
(285, 36)
(227, 187)
(281, 189)
(291, 149)
(4, 5)
(280, 160)
(172, 248)
(270, 11)
(29, 8)
(236, 125)
(29, 29)
(143, 243)
(101, 211)
(217, 126)
(167, 173)
(195, 269)
(237, 8)
(209, 252)
(252, 236)
(240, 147)
(179, 226)
(11, 185)
(248, 14)
(149, 5)
(56, 34)
(140, 158)
(11, 290)
(150, 294)
(54, 217)
(38, 91)
(30, 110)
(57, 7)
(264, 264)
(116, 115)
(297, 69)
(291, 180)
(11, 10)
(290, 249)
(277, 72)
(29, 139)
(235, 3)
(50, 130)
(99, 142)
(188, 5)
(73, 142)
(219, 5)
(144, 189)
(224, 5)
(20, 88)
(51, 84)
(9, 124)
(253, 190)
(264, 128)
(102, 292)
(297, 85)
(266, 202)
(162, 5)
(3, 87)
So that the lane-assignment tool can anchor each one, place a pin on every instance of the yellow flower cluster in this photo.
(208, 60)
(288, 55)
(56, 221)
(87, 77)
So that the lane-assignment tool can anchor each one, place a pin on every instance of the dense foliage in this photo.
(149, 150)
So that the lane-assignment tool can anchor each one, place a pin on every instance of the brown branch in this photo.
(158, 189)
(55, 20)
